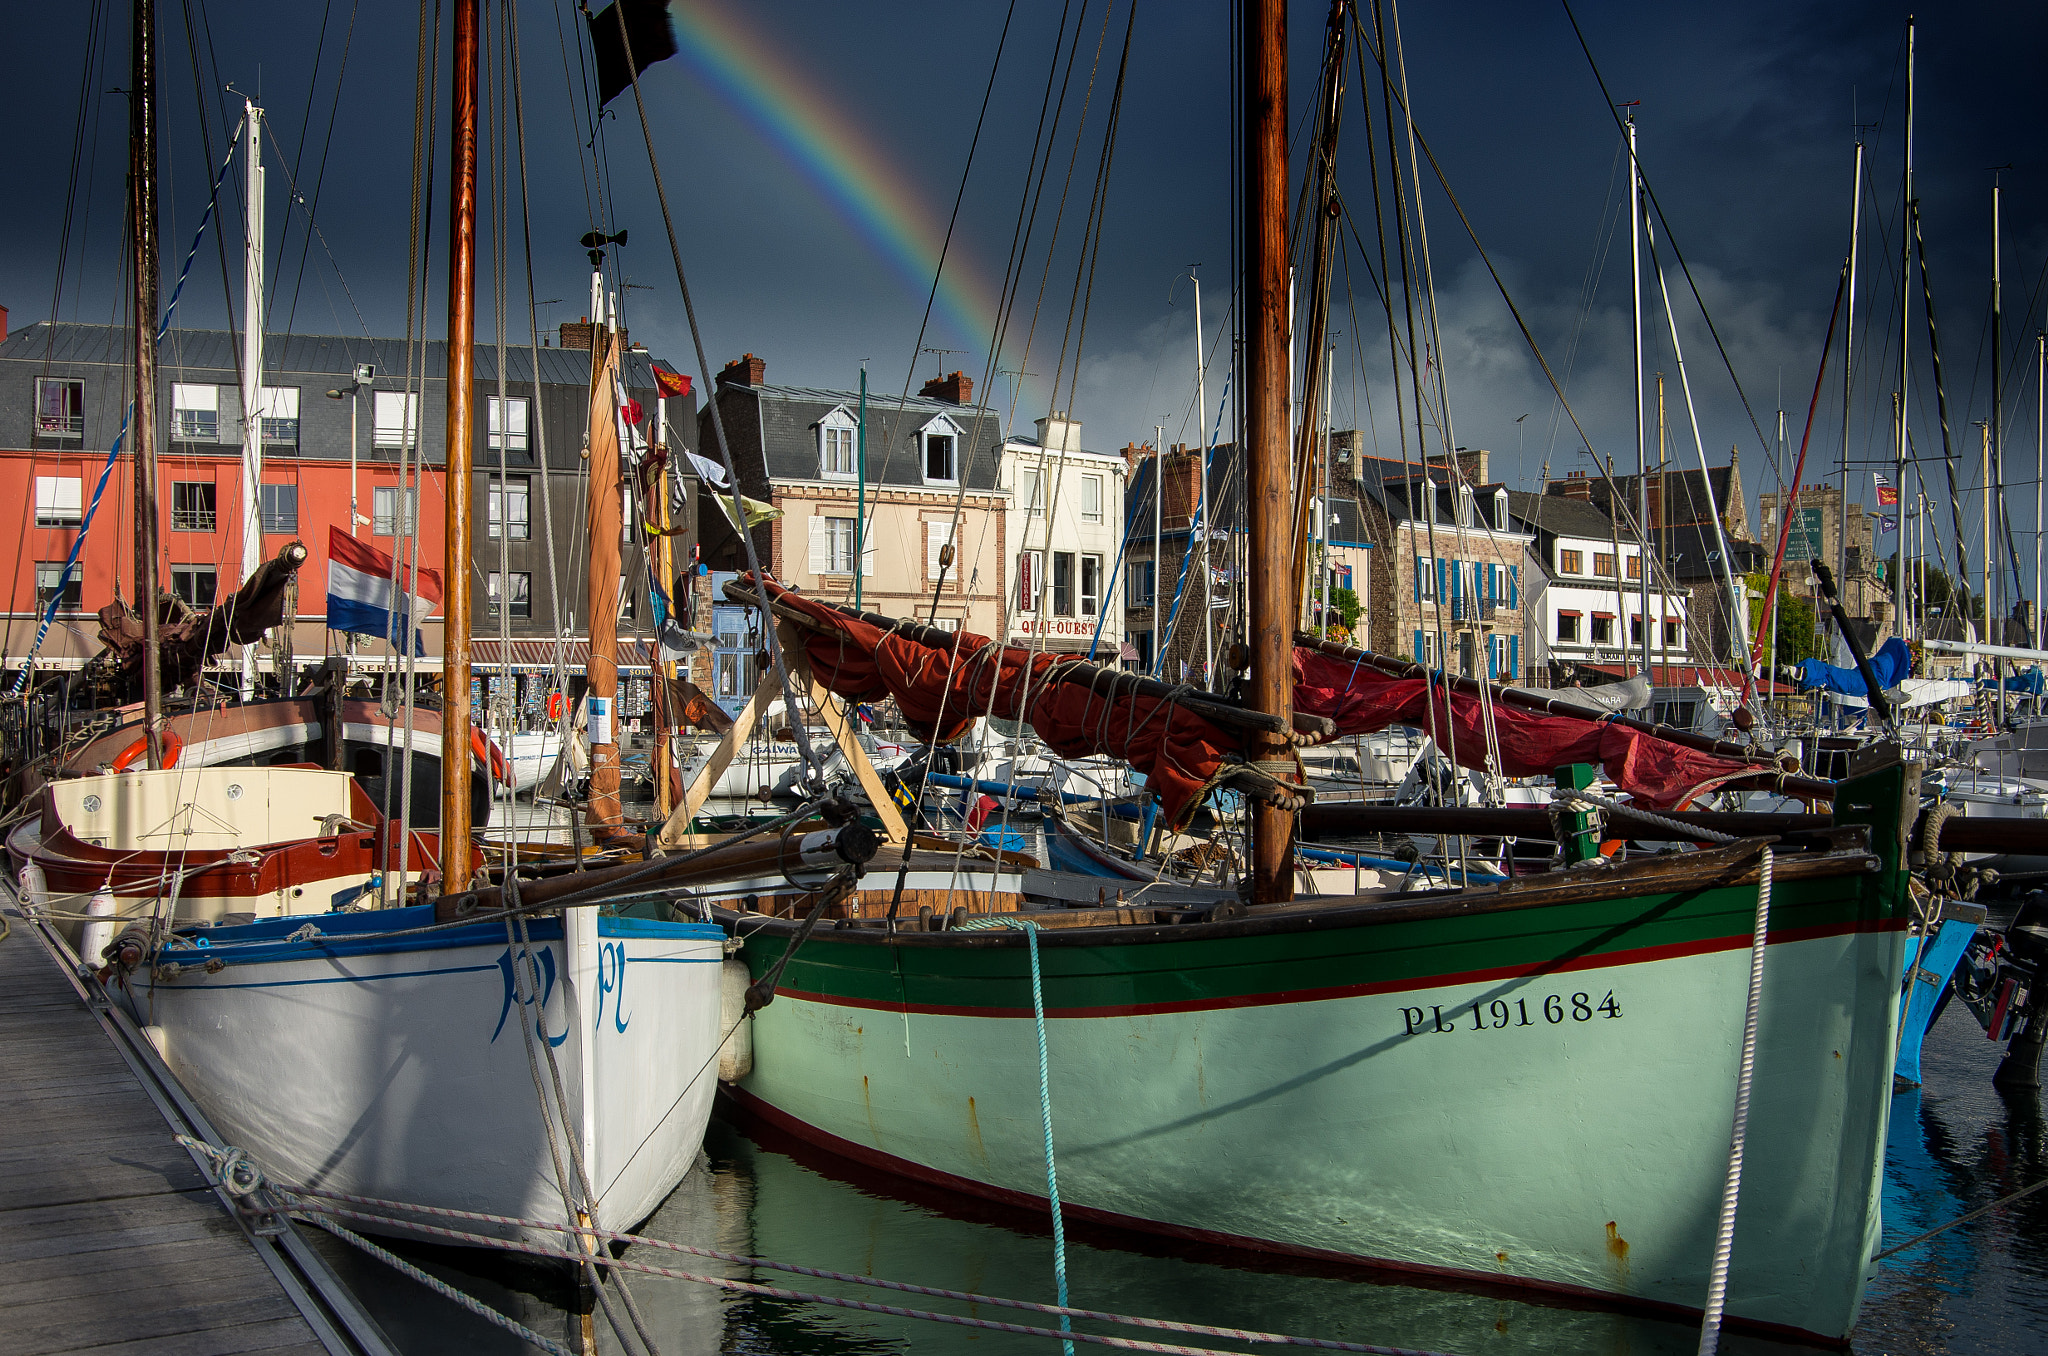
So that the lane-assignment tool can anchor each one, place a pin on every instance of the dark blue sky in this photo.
(1745, 117)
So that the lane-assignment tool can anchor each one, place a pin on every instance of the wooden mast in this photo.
(1269, 478)
(142, 424)
(455, 755)
(603, 519)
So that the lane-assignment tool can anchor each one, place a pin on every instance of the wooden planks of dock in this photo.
(111, 1238)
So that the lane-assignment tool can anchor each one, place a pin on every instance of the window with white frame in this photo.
(195, 413)
(280, 508)
(396, 419)
(1425, 577)
(511, 515)
(60, 408)
(51, 579)
(1091, 499)
(1030, 491)
(520, 602)
(280, 415)
(507, 423)
(937, 537)
(941, 460)
(59, 501)
(197, 585)
(192, 506)
(1568, 627)
(1063, 583)
(1091, 585)
(1674, 631)
(832, 546)
(385, 519)
(838, 447)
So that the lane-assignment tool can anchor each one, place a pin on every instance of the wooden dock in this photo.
(111, 1237)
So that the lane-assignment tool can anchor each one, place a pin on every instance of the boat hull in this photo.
(396, 1068)
(1537, 1096)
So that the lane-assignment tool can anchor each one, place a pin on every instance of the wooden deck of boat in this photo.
(111, 1240)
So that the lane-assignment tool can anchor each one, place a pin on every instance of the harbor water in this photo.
(1955, 1145)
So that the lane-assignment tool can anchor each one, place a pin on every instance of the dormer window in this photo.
(1500, 510)
(837, 435)
(939, 445)
(1465, 507)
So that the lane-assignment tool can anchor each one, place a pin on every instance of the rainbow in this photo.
(854, 174)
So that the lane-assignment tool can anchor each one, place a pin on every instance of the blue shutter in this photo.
(1418, 581)
(1514, 581)
(1443, 577)
(1418, 647)
(1457, 579)
(1514, 657)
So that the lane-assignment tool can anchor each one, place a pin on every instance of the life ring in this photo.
(173, 746)
(487, 753)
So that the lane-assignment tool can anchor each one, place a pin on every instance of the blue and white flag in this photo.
(361, 596)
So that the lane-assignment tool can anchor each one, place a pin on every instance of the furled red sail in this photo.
(940, 691)
(1361, 699)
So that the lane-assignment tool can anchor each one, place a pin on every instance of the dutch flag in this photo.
(360, 596)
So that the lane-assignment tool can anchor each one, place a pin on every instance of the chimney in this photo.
(747, 371)
(582, 334)
(1057, 433)
(957, 389)
(1135, 453)
(1472, 464)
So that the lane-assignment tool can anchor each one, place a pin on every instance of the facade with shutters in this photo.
(928, 480)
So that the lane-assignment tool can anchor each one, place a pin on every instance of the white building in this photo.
(1590, 609)
(1065, 530)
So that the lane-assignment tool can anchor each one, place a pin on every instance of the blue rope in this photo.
(1052, 1176)
(114, 452)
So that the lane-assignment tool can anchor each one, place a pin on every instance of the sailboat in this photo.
(1528, 1083)
(359, 1050)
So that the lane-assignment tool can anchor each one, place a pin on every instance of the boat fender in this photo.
(736, 1056)
(97, 935)
(34, 888)
(173, 746)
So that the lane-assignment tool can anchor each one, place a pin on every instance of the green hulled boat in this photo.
(1529, 1084)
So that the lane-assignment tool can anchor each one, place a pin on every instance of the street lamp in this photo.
(366, 375)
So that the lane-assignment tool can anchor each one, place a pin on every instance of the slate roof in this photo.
(1556, 515)
(1691, 554)
(789, 439)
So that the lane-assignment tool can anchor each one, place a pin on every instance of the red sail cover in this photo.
(941, 690)
(1360, 698)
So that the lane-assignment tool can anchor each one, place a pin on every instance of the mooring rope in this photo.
(1052, 1176)
(1731, 1190)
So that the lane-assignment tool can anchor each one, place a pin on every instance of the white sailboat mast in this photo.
(252, 367)
(1635, 282)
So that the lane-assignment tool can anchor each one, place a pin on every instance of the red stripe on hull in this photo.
(1518, 1287)
(1604, 961)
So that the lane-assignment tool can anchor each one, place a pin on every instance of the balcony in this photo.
(1473, 609)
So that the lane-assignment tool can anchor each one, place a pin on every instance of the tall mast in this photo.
(461, 428)
(2040, 470)
(1905, 328)
(1849, 373)
(1996, 433)
(1158, 662)
(252, 364)
(1268, 470)
(602, 521)
(1202, 492)
(1635, 283)
(142, 230)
